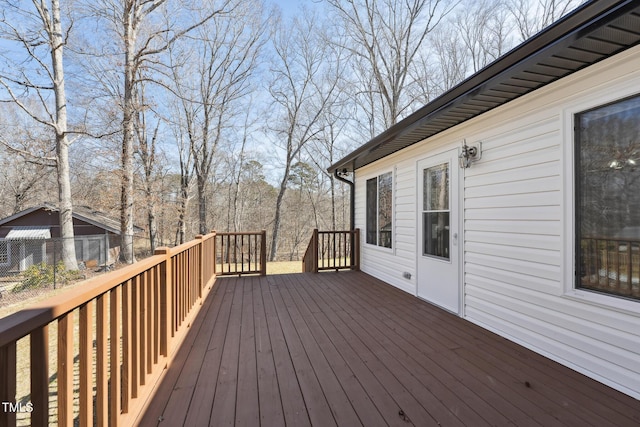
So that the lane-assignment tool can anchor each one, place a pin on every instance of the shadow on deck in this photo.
(347, 349)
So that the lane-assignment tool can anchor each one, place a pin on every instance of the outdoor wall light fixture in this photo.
(469, 154)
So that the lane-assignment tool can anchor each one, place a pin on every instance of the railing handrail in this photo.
(239, 233)
(20, 324)
(161, 283)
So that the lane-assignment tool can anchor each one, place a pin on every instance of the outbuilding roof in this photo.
(29, 232)
(82, 213)
(595, 31)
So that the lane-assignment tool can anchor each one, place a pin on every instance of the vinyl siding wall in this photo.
(517, 224)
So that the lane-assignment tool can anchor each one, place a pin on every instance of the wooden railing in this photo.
(125, 326)
(611, 265)
(239, 253)
(332, 250)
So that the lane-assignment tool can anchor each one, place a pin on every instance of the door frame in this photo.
(453, 153)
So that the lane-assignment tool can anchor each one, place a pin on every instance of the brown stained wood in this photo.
(224, 405)
(115, 374)
(65, 370)
(373, 404)
(126, 377)
(320, 410)
(134, 340)
(157, 313)
(40, 376)
(293, 404)
(169, 392)
(338, 401)
(86, 364)
(410, 397)
(409, 354)
(271, 412)
(205, 384)
(263, 253)
(8, 383)
(247, 403)
(165, 298)
(102, 353)
(142, 325)
(20, 324)
(460, 330)
(345, 348)
(150, 319)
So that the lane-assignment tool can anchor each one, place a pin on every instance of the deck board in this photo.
(346, 349)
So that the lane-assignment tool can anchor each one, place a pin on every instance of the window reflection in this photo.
(380, 210)
(435, 215)
(607, 198)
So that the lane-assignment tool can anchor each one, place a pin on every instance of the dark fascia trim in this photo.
(571, 26)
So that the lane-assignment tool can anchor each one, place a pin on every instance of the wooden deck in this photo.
(347, 349)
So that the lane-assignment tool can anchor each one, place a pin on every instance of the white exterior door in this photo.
(438, 234)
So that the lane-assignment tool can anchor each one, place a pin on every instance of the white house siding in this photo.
(517, 221)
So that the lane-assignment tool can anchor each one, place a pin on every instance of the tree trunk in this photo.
(184, 198)
(62, 142)
(202, 204)
(278, 214)
(126, 199)
(153, 228)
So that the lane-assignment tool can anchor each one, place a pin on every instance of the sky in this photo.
(291, 7)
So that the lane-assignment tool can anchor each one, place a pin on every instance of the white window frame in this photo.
(366, 207)
(607, 94)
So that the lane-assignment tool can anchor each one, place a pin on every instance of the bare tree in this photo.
(212, 85)
(532, 16)
(483, 28)
(384, 38)
(301, 93)
(146, 29)
(147, 151)
(43, 36)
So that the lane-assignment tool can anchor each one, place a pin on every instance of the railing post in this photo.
(165, 301)
(200, 240)
(355, 249)
(215, 249)
(8, 383)
(263, 253)
(315, 250)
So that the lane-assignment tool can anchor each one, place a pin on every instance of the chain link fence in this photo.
(32, 268)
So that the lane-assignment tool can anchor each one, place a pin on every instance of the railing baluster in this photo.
(86, 364)
(39, 376)
(142, 298)
(629, 267)
(65, 370)
(332, 250)
(126, 346)
(8, 383)
(135, 336)
(157, 312)
(241, 253)
(617, 255)
(150, 294)
(102, 379)
(115, 374)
